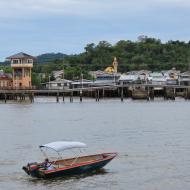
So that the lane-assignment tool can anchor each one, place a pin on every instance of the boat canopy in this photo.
(63, 145)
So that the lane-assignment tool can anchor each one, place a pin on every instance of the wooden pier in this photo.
(135, 91)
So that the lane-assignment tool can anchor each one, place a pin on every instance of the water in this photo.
(152, 139)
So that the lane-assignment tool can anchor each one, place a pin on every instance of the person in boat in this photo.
(47, 164)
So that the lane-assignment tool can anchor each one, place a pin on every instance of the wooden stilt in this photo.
(103, 93)
(152, 93)
(174, 92)
(148, 94)
(5, 95)
(57, 97)
(122, 94)
(63, 97)
(71, 96)
(32, 97)
(80, 95)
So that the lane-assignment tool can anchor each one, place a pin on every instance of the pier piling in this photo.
(174, 92)
(63, 97)
(151, 94)
(103, 93)
(32, 97)
(57, 97)
(80, 95)
(5, 95)
(136, 91)
(122, 94)
(187, 96)
(71, 96)
(97, 95)
(148, 94)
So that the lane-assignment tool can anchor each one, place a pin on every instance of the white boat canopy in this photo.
(63, 145)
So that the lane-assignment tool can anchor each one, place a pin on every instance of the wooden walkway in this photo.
(147, 90)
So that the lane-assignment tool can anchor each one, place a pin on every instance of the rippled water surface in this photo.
(152, 139)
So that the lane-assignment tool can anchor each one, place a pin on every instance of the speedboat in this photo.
(67, 166)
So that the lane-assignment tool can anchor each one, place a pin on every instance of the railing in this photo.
(17, 88)
(21, 64)
(92, 87)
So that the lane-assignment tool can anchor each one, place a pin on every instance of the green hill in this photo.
(49, 57)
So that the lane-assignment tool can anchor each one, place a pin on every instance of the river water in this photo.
(152, 140)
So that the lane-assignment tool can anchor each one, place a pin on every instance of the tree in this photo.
(146, 53)
(36, 81)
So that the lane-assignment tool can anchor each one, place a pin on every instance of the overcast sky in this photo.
(40, 26)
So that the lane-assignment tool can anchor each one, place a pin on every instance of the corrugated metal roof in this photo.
(20, 56)
(187, 73)
(4, 76)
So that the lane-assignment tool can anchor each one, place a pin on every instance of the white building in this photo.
(157, 78)
(185, 78)
(58, 84)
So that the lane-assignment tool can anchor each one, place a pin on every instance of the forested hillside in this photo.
(49, 57)
(146, 53)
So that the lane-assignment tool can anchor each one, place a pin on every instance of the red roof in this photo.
(5, 77)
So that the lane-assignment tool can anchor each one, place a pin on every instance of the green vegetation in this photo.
(146, 53)
(36, 80)
(6, 69)
(49, 57)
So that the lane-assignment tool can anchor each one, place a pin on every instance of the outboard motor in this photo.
(31, 168)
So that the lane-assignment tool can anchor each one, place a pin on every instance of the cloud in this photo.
(37, 26)
(91, 8)
(184, 3)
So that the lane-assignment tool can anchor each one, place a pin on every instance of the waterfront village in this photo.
(21, 77)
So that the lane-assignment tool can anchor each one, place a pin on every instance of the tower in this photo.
(22, 64)
(115, 64)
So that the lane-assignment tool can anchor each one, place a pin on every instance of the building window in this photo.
(29, 61)
(15, 61)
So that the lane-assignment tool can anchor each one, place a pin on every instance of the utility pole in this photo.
(82, 80)
(63, 83)
(81, 87)
(49, 81)
(63, 78)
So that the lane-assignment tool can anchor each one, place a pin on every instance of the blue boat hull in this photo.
(36, 171)
(77, 170)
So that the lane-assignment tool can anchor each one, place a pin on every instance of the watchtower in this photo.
(22, 64)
